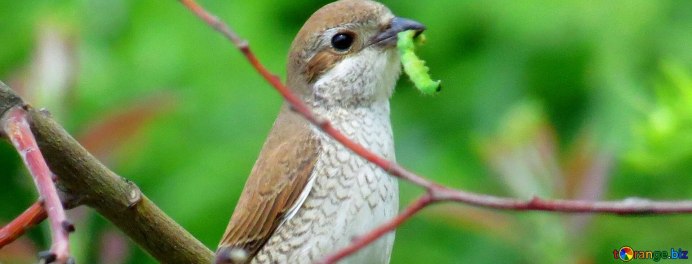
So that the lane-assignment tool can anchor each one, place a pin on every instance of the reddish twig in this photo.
(29, 218)
(439, 192)
(383, 229)
(629, 206)
(435, 192)
(16, 126)
(299, 106)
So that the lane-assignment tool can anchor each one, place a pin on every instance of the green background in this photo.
(560, 99)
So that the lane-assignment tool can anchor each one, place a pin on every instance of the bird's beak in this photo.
(388, 37)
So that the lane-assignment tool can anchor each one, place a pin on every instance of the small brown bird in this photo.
(307, 195)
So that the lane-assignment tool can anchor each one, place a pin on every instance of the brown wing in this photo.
(280, 174)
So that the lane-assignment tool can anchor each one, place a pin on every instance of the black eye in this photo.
(342, 41)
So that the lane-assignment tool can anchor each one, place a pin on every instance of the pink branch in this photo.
(16, 126)
(435, 192)
(629, 206)
(439, 192)
(15, 229)
(299, 106)
(389, 226)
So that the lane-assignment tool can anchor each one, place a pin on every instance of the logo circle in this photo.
(626, 254)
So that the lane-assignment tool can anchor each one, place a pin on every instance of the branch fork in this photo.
(84, 181)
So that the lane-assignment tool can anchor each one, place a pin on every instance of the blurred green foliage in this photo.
(538, 95)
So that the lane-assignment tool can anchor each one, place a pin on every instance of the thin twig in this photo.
(628, 206)
(440, 193)
(380, 231)
(435, 192)
(299, 106)
(16, 125)
(29, 218)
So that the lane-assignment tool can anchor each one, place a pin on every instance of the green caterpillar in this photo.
(413, 66)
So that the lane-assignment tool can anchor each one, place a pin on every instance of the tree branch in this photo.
(29, 218)
(389, 226)
(435, 192)
(439, 192)
(117, 199)
(16, 127)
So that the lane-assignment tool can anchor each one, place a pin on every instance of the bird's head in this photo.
(345, 54)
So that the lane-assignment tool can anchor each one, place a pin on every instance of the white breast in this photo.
(349, 195)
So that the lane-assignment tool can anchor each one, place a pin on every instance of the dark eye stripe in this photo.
(320, 63)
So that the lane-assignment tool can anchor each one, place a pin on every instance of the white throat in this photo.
(358, 81)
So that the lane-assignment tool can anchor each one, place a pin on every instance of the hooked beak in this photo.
(388, 37)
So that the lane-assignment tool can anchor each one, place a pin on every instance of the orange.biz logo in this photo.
(627, 253)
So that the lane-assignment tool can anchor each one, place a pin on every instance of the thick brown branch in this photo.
(117, 199)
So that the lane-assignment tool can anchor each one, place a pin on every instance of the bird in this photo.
(307, 195)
